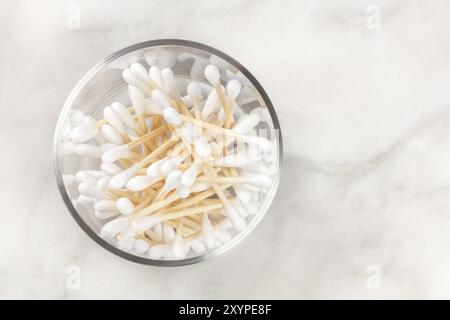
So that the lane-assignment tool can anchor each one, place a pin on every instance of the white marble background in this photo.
(362, 92)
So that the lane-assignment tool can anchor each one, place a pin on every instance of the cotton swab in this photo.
(106, 209)
(139, 183)
(135, 82)
(124, 206)
(155, 76)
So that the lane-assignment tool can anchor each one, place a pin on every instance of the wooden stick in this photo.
(186, 212)
(148, 136)
(223, 180)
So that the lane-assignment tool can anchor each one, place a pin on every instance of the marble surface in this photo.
(362, 93)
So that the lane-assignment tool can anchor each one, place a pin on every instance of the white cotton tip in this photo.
(212, 74)
(82, 134)
(106, 146)
(168, 233)
(179, 249)
(222, 236)
(110, 169)
(139, 183)
(171, 116)
(114, 227)
(189, 176)
(88, 150)
(234, 160)
(85, 176)
(158, 251)
(172, 180)
(68, 147)
(251, 207)
(68, 179)
(120, 179)
(86, 201)
(154, 170)
(233, 89)
(242, 193)
(167, 58)
(103, 183)
(150, 107)
(160, 99)
(197, 245)
(247, 122)
(194, 91)
(183, 192)
(221, 114)
(114, 120)
(128, 232)
(169, 81)
(168, 255)
(96, 173)
(124, 206)
(140, 246)
(236, 219)
(169, 165)
(137, 100)
(190, 132)
(212, 104)
(158, 230)
(141, 225)
(126, 243)
(76, 117)
(88, 121)
(114, 154)
(259, 180)
(208, 232)
(134, 81)
(187, 101)
(124, 115)
(65, 132)
(155, 75)
(139, 71)
(111, 134)
(90, 190)
(226, 224)
(200, 186)
(242, 211)
(202, 147)
(257, 143)
(105, 209)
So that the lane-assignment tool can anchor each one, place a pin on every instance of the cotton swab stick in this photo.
(212, 74)
(233, 89)
(142, 224)
(172, 198)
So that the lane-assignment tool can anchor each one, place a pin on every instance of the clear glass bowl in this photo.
(103, 84)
